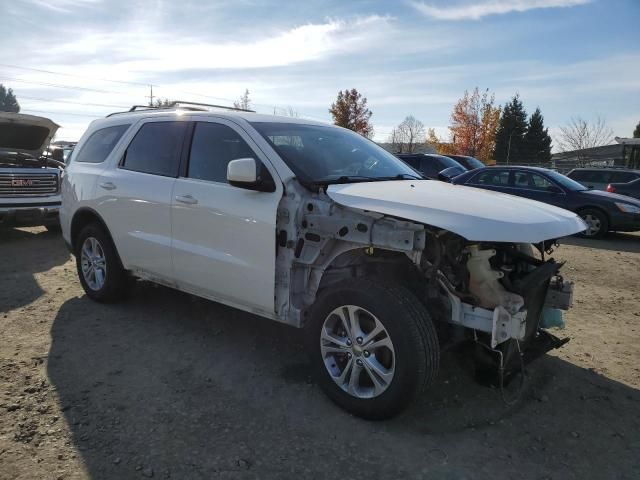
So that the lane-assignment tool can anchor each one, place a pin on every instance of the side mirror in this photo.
(554, 189)
(249, 174)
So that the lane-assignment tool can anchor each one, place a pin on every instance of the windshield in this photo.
(565, 181)
(319, 154)
(470, 162)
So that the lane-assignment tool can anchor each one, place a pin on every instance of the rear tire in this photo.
(597, 222)
(391, 366)
(99, 269)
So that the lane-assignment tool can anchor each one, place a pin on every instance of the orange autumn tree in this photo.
(474, 122)
(443, 148)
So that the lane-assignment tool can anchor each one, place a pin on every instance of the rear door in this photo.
(136, 197)
(537, 187)
(224, 236)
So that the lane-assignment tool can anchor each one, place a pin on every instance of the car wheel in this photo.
(597, 223)
(373, 347)
(99, 268)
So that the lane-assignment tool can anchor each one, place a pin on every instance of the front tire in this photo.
(99, 269)
(597, 223)
(373, 347)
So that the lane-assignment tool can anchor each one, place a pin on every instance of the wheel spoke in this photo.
(99, 275)
(380, 381)
(342, 379)
(354, 323)
(377, 330)
(93, 242)
(354, 378)
(329, 338)
(383, 342)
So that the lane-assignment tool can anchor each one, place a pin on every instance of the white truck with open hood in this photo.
(317, 227)
(29, 183)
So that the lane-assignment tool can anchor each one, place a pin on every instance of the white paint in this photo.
(475, 214)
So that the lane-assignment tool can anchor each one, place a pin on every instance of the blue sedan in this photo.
(602, 211)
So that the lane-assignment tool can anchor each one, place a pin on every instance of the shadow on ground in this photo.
(614, 241)
(176, 387)
(45, 250)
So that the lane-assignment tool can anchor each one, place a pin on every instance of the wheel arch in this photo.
(83, 217)
(359, 262)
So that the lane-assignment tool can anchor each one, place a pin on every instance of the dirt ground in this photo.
(170, 386)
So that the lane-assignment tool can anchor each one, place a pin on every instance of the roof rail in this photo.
(194, 106)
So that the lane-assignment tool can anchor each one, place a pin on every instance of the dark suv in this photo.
(430, 164)
(599, 178)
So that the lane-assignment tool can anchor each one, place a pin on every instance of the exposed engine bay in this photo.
(499, 294)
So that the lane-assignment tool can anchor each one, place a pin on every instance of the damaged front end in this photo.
(504, 296)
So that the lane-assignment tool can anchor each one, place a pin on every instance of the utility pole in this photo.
(150, 96)
(509, 147)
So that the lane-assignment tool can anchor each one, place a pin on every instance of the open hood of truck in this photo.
(26, 134)
(475, 214)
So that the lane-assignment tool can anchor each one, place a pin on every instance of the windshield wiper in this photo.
(364, 178)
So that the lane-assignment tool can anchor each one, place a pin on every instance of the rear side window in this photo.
(498, 178)
(156, 149)
(622, 177)
(530, 181)
(100, 144)
(213, 147)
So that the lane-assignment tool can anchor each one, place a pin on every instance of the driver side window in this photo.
(212, 148)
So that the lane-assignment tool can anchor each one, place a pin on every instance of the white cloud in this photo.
(63, 6)
(475, 11)
(155, 51)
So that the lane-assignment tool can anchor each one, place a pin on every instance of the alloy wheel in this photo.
(357, 351)
(93, 263)
(593, 225)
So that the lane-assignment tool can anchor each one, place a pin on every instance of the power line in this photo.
(75, 87)
(61, 113)
(70, 87)
(106, 105)
(73, 75)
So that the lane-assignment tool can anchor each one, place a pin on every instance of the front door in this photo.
(537, 187)
(223, 236)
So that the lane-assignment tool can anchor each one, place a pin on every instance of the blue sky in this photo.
(569, 57)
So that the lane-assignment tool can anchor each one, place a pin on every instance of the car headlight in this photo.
(627, 208)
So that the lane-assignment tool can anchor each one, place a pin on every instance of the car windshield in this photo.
(324, 155)
(565, 181)
(470, 162)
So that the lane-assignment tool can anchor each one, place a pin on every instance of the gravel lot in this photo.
(170, 386)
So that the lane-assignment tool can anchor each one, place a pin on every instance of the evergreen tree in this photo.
(8, 101)
(537, 142)
(510, 135)
(636, 132)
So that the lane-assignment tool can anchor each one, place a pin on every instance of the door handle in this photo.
(188, 199)
(107, 185)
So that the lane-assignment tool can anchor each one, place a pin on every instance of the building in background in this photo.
(624, 153)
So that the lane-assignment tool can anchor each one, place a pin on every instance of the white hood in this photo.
(475, 214)
(25, 133)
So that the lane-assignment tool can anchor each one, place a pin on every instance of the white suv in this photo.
(315, 226)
